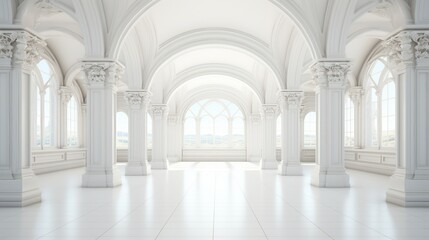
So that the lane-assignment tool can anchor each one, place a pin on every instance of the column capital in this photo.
(20, 47)
(292, 98)
(269, 109)
(65, 93)
(355, 94)
(159, 109)
(136, 99)
(102, 72)
(332, 74)
(255, 118)
(408, 47)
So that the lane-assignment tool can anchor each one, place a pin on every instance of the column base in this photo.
(159, 164)
(20, 192)
(269, 165)
(408, 192)
(290, 170)
(331, 178)
(137, 169)
(101, 178)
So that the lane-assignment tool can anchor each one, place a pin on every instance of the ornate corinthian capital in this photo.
(100, 73)
(137, 99)
(291, 98)
(408, 47)
(159, 109)
(20, 46)
(330, 74)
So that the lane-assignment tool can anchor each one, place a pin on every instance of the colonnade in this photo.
(409, 54)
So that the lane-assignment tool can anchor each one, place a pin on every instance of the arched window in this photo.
(380, 106)
(349, 133)
(72, 123)
(310, 130)
(279, 132)
(214, 123)
(45, 106)
(121, 130)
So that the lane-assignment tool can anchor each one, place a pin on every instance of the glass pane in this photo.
(207, 130)
(221, 131)
(121, 130)
(189, 132)
(72, 123)
(377, 69)
(149, 129)
(45, 70)
(279, 132)
(310, 130)
(38, 125)
(388, 116)
(238, 133)
(48, 105)
(349, 123)
(214, 108)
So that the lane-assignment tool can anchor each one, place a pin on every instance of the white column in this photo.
(138, 101)
(290, 105)
(101, 168)
(65, 96)
(159, 149)
(19, 52)
(409, 54)
(254, 139)
(174, 139)
(331, 80)
(356, 94)
(269, 160)
(82, 136)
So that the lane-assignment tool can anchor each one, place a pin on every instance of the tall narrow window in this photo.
(380, 106)
(121, 130)
(388, 116)
(349, 138)
(214, 123)
(279, 132)
(72, 123)
(310, 130)
(44, 118)
(149, 131)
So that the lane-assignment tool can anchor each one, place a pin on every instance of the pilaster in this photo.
(254, 138)
(290, 105)
(269, 160)
(331, 80)
(138, 101)
(159, 149)
(65, 96)
(19, 52)
(101, 170)
(409, 55)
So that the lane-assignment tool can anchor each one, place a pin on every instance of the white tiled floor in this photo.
(228, 201)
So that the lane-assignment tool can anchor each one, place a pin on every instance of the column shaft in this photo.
(290, 104)
(159, 150)
(331, 80)
(137, 147)
(18, 185)
(269, 160)
(101, 168)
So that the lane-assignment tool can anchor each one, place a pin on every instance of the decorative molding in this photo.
(66, 94)
(269, 109)
(100, 73)
(172, 119)
(20, 46)
(291, 98)
(136, 99)
(6, 41)
(255, 118)
(382, 9)
(422, 45)
(408, 46)
(159, 109)
(355, 94)
(331, 74)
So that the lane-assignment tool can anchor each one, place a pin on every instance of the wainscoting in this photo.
(375, 161)
(44, 161)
